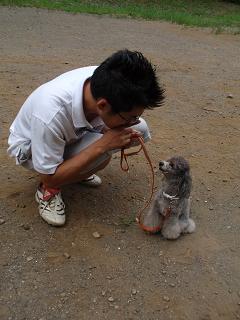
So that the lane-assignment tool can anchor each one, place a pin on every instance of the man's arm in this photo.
(70, 169)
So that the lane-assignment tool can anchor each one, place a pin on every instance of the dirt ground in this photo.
(52, 273)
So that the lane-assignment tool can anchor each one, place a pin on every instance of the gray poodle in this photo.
(170, 209)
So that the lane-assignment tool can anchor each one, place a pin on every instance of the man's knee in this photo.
(103, 164)
(98, 165)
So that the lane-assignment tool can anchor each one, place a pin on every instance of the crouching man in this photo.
(69, 127)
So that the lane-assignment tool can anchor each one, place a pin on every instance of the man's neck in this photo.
(89, 103)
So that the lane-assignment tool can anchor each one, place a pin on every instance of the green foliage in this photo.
(219, 15)
(127, 221)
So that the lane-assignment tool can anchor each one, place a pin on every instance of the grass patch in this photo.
(127, 221)
(216, 14)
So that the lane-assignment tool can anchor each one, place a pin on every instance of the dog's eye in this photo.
(171, 164)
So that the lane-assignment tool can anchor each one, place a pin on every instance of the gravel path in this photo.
(54, 274)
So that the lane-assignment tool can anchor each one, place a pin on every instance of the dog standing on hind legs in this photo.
(170, 209)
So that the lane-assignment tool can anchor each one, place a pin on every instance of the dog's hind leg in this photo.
(152, 220)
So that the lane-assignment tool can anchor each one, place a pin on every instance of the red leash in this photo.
(126, 168)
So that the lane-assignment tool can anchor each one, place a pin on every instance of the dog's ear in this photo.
(185, 185)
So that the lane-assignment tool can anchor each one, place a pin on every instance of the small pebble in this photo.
(110, 299)
(230, 96)
(30, 258)
(134, 291)
(96, 235)
(67, 255)
(166, 298)
(210, 208)
(26, 227)
(2, 221)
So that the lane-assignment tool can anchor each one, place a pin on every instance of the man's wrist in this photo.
(101, 148)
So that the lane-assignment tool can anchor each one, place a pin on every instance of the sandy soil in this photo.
(49, 273)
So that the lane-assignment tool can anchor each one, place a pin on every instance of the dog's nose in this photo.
(161, 163)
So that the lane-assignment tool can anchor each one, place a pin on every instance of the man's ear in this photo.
(103, 105)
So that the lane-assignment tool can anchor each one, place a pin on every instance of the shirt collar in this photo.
(78, 115)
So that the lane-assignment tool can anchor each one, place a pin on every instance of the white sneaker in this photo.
(52, 210)
(92, 181)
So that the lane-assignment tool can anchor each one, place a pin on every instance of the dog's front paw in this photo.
(171, 232)
(190, 227)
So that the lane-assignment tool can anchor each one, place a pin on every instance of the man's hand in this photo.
(118, 138)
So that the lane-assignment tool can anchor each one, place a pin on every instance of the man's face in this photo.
(121, 119)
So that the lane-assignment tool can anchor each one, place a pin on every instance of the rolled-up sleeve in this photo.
(47, 147)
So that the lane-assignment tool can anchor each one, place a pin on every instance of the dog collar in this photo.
(167, 196)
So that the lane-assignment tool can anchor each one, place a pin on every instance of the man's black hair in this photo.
(127, 80)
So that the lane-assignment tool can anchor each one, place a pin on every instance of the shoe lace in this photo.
(55, 203)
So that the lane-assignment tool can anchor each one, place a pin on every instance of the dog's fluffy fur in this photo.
(174, 193)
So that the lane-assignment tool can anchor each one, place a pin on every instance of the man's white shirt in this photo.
(51, 118)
